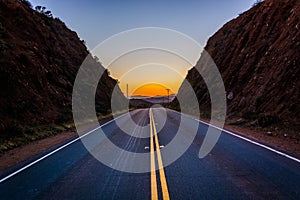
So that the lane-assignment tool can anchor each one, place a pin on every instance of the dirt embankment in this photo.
(257, 55)
(39, 60)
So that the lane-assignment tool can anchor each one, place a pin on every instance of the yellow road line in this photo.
(154, 194)
(163, 180)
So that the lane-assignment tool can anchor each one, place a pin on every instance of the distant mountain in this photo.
(39, 60)
(146, 102)
(258, 55)
(156, 99)
(138, 97)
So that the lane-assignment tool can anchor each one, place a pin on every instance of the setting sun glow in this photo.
(152, 89)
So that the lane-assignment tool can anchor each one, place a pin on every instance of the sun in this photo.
(151, 90)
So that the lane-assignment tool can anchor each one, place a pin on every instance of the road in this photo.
(234, 169)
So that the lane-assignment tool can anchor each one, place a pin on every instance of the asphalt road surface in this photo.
(234, 169)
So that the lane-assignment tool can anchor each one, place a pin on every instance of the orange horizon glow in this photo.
(149, 72)
(151, 90)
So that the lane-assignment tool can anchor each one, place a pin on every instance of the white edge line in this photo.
(58, 149)
(246, 139)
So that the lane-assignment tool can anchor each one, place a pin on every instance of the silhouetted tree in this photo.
(42, 9)
(26, 2)
(257, 2)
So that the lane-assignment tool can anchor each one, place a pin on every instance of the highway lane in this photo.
(235, 169)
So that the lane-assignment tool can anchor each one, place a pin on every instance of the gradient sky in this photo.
(95, 21)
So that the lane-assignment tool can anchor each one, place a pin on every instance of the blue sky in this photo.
(95, 21)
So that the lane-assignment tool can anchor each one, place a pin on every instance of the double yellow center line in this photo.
(163, 181)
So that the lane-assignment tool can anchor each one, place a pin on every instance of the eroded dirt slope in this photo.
(258, 55)
(39, 60)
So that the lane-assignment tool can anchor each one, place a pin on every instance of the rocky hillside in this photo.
(39, 60)
(258, 55)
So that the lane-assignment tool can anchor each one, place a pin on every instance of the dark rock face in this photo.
(258, 56)
(39, 60)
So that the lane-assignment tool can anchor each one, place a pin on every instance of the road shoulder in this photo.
(20, 154)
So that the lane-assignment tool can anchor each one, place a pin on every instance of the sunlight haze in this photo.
(96, 21)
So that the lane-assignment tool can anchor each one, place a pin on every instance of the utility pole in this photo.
(127, 90)
(168, 91)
